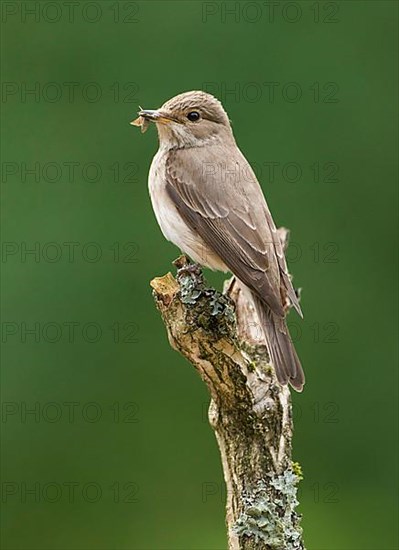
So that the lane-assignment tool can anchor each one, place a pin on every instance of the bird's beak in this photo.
(154, 115)
(147, 115)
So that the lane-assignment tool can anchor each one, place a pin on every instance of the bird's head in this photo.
(191, 119)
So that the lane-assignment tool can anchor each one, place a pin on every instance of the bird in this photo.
(208, 202)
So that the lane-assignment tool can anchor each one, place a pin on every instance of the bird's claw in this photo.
(187, 268)
(192, 270)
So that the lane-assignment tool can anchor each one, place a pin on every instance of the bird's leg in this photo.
(229, 286)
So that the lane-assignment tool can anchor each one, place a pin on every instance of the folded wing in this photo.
(221, 199)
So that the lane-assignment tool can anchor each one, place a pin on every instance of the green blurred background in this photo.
(118, 452)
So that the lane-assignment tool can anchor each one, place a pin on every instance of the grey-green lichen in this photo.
(269, 516)
(190, 287)
(208, 308)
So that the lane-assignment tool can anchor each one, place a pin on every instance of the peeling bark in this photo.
(249, 411)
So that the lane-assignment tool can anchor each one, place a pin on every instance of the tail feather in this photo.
(282, 352)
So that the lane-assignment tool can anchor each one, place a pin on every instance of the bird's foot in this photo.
(187, 268)
(194, 270)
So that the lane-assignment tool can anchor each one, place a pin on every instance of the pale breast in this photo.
(172, 225)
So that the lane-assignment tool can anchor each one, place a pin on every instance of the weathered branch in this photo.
(249, 411)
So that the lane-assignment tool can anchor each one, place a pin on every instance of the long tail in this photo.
(282, 352)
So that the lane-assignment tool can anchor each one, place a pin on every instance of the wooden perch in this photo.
(250, 412)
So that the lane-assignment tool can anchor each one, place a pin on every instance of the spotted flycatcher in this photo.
(209, 203)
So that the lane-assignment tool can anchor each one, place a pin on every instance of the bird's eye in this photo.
(193, 116)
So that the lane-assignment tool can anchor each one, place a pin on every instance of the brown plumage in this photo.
(209, 203)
